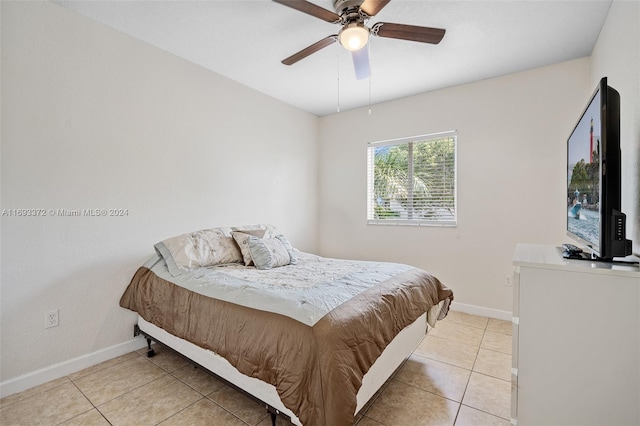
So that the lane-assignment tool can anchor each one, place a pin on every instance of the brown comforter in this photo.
(317, 371)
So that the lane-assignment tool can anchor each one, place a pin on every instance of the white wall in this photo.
(512, 133)
(93, 119)
(617, 56)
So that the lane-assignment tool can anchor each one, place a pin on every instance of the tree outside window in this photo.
(413, 181)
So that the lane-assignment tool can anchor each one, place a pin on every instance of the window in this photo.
(412, 181)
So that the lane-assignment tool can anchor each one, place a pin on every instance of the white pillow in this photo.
(208, 247)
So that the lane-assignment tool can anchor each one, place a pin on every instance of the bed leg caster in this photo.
(150, 352)
(137, 332)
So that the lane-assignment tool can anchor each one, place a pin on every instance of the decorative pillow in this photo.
(268, 253)
(270, 230)
(242, 239)
(289, 247)
(208, 247)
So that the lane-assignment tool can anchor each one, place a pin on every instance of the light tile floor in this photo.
(459, 374)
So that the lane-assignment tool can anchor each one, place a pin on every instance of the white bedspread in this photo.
(305, 292)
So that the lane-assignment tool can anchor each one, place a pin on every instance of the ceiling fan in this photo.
(351, 15)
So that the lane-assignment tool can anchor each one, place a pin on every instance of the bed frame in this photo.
(265, 394)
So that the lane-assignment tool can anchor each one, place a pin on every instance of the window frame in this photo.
(410, 141)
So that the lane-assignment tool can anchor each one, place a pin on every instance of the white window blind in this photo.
(412, 181)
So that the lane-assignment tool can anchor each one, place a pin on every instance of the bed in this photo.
(310, 337)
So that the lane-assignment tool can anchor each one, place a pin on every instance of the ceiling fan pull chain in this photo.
(369, 47)
(338, 79)
(369, 95)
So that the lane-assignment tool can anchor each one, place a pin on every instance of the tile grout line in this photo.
(90, 402)
(486, 412)
(181, 410)
(483, 374)
(68, 376)
(228, 411)
(35, 394)
(466, 387)
(170, 373)
(206, 396)
(128, 392)
(459, 403)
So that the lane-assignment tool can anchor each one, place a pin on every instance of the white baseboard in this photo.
(482, 311)
(44, 375)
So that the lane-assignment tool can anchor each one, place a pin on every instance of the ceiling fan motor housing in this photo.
(342, 6)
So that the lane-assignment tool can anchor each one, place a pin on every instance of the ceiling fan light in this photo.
(354, 36)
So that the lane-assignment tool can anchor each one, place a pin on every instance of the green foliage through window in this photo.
(413, 180)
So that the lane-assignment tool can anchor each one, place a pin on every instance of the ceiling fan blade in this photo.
(311, 9)
(408, 32)
(309, 50)
(372, 7)
(361, 63)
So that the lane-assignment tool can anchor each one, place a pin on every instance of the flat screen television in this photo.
(594, 160)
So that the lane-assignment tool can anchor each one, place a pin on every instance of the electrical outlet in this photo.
(507, 281)
(51, 319)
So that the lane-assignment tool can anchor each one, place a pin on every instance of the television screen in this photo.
(583, 175)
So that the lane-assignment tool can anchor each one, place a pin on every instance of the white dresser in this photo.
(576, 340)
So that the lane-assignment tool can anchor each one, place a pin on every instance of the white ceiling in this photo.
(245, 40)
